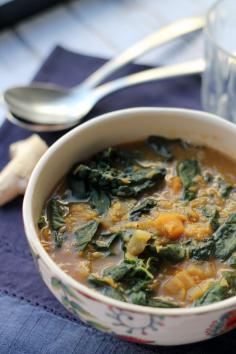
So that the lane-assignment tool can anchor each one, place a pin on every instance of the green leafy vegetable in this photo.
(58, 239)
(105, 288)
(162, 303)
(208, 177)
(139, 298)
(161, 146)
(105, 241)
(232, 261)
(85, 235)
(57, 211)
(113, 155)
(99, 200)
(112, 292)
(221, 244)
(42, 222)
(120, 183)
(130, 269)
(187, 171)
(215, 293)
(97, 281)
(131, 275)
(225, 188)
(213, 216)
(172, 253)
(230, 277)
(142, 208)
(223, 289)
(153, 264)
(144, 299)
(77, 187)
(201, 251)
(225, 239)
(132, 284)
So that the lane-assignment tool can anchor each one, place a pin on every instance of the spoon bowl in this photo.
(48, 104)
(20, 122)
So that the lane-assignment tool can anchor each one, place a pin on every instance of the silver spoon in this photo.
(54, 105)
(70, 115)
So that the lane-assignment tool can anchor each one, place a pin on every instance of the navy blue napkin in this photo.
(31, 319)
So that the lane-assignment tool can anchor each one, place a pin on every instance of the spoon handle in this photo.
(156, 39)
(165, 72)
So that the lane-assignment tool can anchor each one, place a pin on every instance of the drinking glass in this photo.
(219, 78)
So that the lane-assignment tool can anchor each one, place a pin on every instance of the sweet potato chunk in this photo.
(170, 225)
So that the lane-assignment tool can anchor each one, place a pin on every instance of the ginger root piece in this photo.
(14, 177)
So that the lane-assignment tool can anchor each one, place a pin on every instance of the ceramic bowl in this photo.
(132, 322)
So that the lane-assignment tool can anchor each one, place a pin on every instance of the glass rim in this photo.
(209, 32)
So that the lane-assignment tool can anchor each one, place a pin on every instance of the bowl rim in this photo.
(32, 235)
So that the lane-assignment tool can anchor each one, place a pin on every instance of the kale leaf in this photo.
(42, 222)
(232, 261)
(129, 270)
(57, 211)
(213, 217)
(119, 183)
(85, 235)
(112, 292)
(113, 155)
(201, 251)
(230, 277)
(215, 293)
(153, 264)
(187, 170)
(162, 303)
(162, 146)
(225, 239)
(224, 187)
(100, 201)
(105, 241)
(142, 208)
(132, 280)
(172, 253)
(139, 298)
(220, 290)
(221, 245)
(77, 187)
(105, 288)
(144, 299)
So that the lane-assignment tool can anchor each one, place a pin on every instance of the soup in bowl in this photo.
(131, 218)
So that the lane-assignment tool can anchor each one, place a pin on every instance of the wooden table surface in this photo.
(97, 27)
